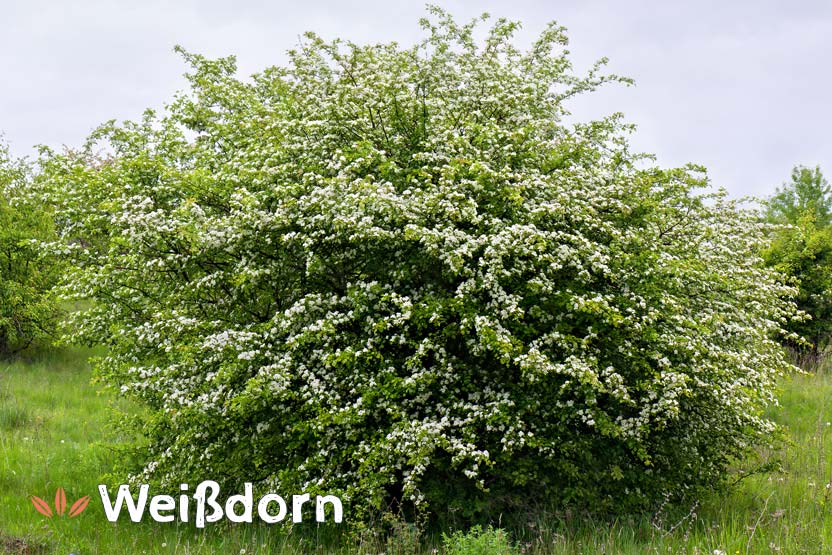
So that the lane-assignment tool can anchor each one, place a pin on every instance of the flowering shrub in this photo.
(27, 309)
(397, 276)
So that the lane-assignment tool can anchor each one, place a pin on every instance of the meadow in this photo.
(56, 430)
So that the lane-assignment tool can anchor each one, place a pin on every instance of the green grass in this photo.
(56, 431)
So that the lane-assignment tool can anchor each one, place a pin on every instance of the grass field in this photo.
(56, 431)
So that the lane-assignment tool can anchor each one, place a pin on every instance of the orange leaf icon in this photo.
(79, 506)
(60, 501)
(41, 506)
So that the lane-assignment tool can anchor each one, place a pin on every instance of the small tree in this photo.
(396, 275)
(803, 250)
(808, 192)
(27, 308)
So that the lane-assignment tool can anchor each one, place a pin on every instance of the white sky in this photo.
(742, 87)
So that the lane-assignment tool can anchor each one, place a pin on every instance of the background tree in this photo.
(802, 249)
(808, 192)
(398, 276)
(27, 309)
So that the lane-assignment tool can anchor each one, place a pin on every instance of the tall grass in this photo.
(56, 430)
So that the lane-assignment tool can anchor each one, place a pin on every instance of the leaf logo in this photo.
(76, 509)
(79, 506)
(60, 501)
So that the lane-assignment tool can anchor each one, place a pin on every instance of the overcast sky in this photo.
(742, 87)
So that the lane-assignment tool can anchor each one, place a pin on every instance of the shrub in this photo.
(27, 308)
(478, 542)
(398, 276)
(802, 249)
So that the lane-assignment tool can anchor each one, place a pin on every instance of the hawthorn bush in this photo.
(398, 276)
(28, 310)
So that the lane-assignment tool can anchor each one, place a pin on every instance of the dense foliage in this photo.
(802, 249)
(27, 309)
(397, 275)
(808, 192)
